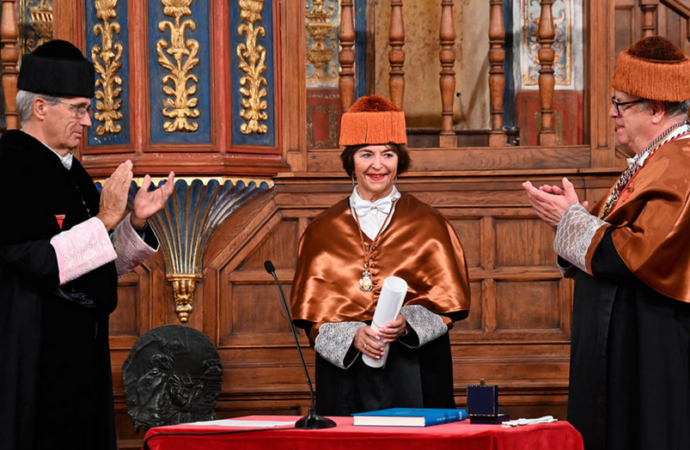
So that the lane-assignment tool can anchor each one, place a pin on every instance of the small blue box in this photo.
(482, 400)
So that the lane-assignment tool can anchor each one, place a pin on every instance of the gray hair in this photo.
(671, 109)
(25, 104)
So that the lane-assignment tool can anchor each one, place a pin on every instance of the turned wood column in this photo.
(547, 81)
(346, 35)
(396, 36)
(649, 8)
(497, 80)
(9, 53)
(447, 78)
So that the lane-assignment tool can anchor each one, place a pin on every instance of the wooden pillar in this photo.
(346, 35)
(649, 8)
(396, 36)
(447, 78)
(547, 81)
(497, 80)
(9, 53)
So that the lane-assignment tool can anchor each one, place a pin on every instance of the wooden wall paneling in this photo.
(628, 24)
(396, 55)
(238, 272)
(488, 302)
(673, 26)
(482, 159)
(346, 56)
(68, 23)
(132, 318)
(599, 32)
(565, 294)
(139, 74)
(487, 298)
(546, 35)
(220, 43)
(447, 58)
(294, 85)
(10, 53)
(262, 373)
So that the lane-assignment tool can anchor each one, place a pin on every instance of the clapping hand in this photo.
(114, 196)
(550, 202)
(147, 203)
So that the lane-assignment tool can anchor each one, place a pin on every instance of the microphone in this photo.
(311, 421)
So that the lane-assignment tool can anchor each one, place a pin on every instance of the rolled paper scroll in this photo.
(390, 301)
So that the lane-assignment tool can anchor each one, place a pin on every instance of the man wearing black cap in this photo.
(59, 261)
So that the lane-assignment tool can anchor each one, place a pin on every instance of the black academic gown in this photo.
(55, 379)
(630, 360)
(412, 378)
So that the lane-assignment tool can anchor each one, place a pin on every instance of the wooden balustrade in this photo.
(447, 76)
(497, 55)
(346, 35)
(396, 36)
(546, 36)
(649, 8)
(9, 53)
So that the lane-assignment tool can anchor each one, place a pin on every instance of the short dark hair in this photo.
(348, 157)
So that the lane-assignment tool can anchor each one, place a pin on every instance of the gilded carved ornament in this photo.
(182, 104)
(186, 224)
(40, 20)
(107, 62)
(252, 59)
(320, 53)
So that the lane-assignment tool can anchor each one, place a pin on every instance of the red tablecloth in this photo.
(455, 436)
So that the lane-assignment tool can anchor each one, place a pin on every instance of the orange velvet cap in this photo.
(373, 120)
(653, 68)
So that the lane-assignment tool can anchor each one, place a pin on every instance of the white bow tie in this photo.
(383, 205)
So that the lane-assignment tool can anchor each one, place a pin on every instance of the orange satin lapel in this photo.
(419, 246)
(652, 225)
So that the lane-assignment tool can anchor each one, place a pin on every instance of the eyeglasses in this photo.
(618, 104)
(79, 110)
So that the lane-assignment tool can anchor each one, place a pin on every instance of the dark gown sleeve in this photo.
(147, 235)
(607, 263)
(35, 261)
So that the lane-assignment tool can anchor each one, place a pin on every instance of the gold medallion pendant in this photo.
(365, 282)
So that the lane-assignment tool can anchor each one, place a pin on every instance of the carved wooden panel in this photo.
(517, 296)
(670, 20)
(131, 318)
(524, 241)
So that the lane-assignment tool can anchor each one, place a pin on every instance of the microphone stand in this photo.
(311, 421)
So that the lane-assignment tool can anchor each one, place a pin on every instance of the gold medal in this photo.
(365, 281)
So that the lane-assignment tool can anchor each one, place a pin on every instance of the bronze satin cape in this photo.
(419, 245)
(652, 222)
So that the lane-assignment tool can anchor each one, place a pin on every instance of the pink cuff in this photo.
(130, 247)
(82, 249)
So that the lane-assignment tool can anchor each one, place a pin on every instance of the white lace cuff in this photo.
(574, 235)
(427, 325)
(82, 249)
(335, 339)
(130, 247)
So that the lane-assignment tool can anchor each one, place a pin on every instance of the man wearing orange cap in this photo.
(345, 255)
(630, 353)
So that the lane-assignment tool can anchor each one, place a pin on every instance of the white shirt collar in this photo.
(364, 206)
(372, 215)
